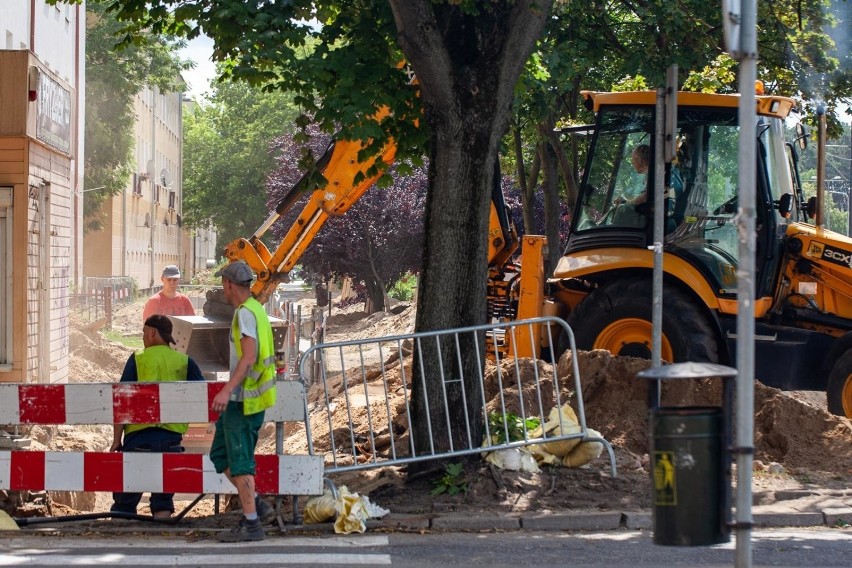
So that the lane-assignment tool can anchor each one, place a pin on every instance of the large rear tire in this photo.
(617, 317)
(839, 390)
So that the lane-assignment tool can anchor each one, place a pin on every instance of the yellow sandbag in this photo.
(542, 456)
(584, 452)
(351, 514)
(569, 425)
(319, 509)
(7, 523)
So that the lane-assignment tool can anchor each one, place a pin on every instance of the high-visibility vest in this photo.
(159, 363)
(259, 384)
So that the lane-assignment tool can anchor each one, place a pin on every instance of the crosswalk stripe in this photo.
(335, 541)
(116, 559)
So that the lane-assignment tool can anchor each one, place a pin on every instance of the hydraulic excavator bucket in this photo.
(205, 338)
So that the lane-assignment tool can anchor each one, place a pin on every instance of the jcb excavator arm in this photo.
(339, 165)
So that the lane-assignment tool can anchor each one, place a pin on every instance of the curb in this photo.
(585, 521)
(580, 521)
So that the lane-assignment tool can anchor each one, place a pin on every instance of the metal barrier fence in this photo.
(99, 295)
(361, 408)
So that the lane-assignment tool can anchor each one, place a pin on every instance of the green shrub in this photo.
(452, 482)
(403, 289)
(514, 424)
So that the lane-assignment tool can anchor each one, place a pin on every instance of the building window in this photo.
(137, 183)
(172, 199)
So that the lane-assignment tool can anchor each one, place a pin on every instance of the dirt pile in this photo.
(94, 359)
(790, 427)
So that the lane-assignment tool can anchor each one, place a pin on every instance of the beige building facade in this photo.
(143, 230)
(42, 70)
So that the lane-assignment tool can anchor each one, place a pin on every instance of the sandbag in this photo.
(584, 452)
(320, 508)
(568, 425)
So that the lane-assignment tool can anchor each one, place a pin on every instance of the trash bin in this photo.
(686, 467)
(690, 462)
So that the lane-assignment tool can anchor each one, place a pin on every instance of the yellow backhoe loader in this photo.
(803, 287)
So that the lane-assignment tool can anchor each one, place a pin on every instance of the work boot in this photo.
(245, 531)
(265, 512)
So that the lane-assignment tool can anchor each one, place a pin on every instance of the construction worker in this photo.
(242, 402)
(158, 362)
(168, 301)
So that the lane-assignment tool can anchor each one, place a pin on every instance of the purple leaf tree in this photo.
(376, 242)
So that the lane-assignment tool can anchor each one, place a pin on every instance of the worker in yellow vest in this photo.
(241, 403)
(157, 363)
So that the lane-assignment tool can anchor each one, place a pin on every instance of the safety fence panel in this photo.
(143, 403)
(120, 287)
(362, 414)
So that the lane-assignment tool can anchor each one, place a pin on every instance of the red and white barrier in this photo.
(130, 403)
(142, 403)
(160, 473)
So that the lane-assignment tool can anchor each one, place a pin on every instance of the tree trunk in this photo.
(467, 67)
(551, 205)
(376, 295)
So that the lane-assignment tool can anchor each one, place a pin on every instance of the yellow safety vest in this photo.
(259, 384)
(159, 363)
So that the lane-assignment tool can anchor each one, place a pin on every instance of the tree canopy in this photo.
(228, 155)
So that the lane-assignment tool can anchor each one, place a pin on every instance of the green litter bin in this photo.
(690, 460)
(686, 468)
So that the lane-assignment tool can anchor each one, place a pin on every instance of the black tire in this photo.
(617, 317)
(839, 389)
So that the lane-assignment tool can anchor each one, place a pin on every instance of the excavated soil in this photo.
(793, 429)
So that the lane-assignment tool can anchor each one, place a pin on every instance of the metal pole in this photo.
(848, 186)
(657, 247)
(745, 282)
(820, 188)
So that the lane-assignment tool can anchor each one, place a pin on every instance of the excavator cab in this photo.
(700, 200)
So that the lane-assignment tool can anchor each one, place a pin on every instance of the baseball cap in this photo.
(237, 272)
(171, 271)
(163, 325)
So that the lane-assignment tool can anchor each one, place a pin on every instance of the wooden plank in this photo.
(14, 67)
(11, 155)
(12, 143)
(12, 168)
(152, 471)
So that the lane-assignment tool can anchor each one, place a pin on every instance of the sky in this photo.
(198, 79)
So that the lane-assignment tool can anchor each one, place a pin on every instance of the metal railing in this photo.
(361, 416)
(99, 295)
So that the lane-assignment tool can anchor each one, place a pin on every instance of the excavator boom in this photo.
(340, 166)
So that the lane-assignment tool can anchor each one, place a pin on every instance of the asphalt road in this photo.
(813, 548)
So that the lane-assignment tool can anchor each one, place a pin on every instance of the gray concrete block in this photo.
(401, 522)
(638, 521)
(475, 522)
(572, 521)
(788, 519)
(837, 516)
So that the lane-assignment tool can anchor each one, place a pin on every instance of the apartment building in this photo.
(42, 73)
(143, 229)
